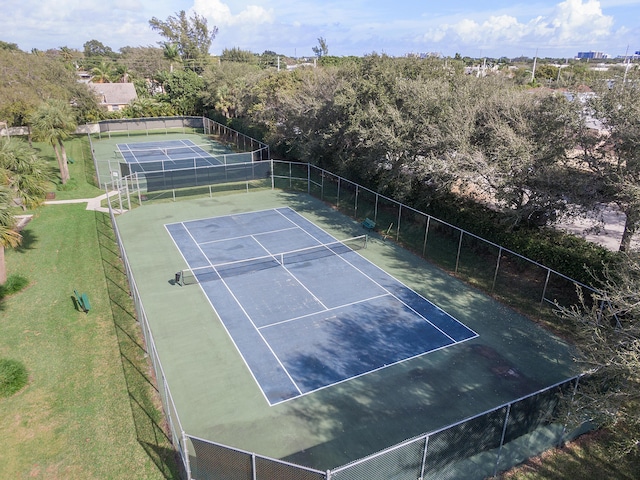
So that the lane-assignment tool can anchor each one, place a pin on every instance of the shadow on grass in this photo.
(146, 407)
(28, 241)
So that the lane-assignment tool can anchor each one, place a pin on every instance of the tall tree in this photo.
(521, 142)
(183, 90)
(53, 122)
(191, 35)
(26, 79)
(94, 48)
(322, 49)
(616, 156)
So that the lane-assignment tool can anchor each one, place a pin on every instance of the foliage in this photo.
(26, 79)
(238, 55)
(103, 73)
(321, 49)
(94, 48)
(148, 107)
(9, 236)
(609, 346)
(191, 36)
(23, 172)
(13, 376)
(53, 122)
(614, 157)
(144, 62)
(182, 91)
(13, 285)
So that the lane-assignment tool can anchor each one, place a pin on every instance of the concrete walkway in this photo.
(92, 203)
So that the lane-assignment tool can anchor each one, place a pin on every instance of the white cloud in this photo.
(570, 23)
(219, 14)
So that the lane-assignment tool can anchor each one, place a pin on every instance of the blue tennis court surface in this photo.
(312, 318)
(169, 154)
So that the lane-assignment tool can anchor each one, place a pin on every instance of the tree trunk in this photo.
(630, 227)
(59, 158)
(62, 161)
(3, 267)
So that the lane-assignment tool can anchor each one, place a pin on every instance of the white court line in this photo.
(294, 277)
(248, 235)
(386, 290)
(323, 311)
(224, 325)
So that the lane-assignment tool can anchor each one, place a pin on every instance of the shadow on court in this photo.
(219, 400)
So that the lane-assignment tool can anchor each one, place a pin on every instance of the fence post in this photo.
(495, 274)
(504, 432)
(426, 234)
(253, 466)
(187, 464)
(399, 216)
(544, 290)
(375, 209)
(459, 248)
(573, 395)
(423, 467)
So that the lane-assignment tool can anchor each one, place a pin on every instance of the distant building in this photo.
(114, 96)
(590, 55)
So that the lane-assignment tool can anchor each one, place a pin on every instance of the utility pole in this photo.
(533, 71)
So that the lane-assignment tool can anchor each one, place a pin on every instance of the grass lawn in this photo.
(89, 410)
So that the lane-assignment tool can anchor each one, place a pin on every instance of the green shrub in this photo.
(13, 376)
(14, 284)
(72, 184)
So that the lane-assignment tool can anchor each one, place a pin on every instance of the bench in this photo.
(83, 301)
(369, 224)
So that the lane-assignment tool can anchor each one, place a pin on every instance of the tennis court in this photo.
(304, 310)
(168, 154)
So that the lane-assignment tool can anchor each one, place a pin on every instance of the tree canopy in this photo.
(191, 35)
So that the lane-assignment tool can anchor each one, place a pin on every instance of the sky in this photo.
(489, 28)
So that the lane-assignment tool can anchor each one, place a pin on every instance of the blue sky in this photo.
(491, 28)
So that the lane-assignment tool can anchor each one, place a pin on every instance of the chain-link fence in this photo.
(474, 448)
(237, 150)
(507, 275)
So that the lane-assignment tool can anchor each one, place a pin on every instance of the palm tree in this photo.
(171, 53)
(103, 73)
(122, 74)
(23, 173)
(9, 237)
(53, 122)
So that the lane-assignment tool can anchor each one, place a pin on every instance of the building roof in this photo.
(114, 93)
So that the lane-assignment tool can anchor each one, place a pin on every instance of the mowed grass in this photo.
(89, 410)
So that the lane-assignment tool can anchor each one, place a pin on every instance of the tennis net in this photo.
(164, 151)
(219, 271)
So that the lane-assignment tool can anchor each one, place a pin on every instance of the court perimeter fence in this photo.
(474, 448)
(245, 148)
